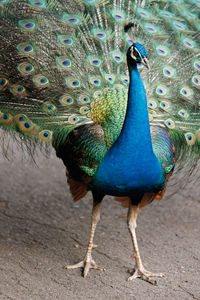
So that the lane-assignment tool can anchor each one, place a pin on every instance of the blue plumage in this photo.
(130, 165)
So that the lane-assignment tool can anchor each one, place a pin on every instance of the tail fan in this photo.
(63, 64)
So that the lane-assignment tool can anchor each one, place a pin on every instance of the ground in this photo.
(41, 230)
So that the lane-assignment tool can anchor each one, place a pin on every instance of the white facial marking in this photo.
(132, 55)
(138, 53)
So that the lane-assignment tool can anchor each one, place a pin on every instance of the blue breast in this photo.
(124, 175)
(130, 165)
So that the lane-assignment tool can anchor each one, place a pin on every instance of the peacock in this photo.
(114, 87)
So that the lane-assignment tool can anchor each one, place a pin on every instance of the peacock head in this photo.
(137, 54)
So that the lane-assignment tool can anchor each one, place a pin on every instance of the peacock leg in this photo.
(88, 262)
(139, 269)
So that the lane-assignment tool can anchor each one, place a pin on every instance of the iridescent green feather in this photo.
(63, 64)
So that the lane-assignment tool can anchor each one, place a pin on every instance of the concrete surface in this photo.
(41, 230)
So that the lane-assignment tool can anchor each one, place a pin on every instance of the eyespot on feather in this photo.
(66, 99)
(95, 80)
(110, 78)
(49, 107)
(161, 90)
(183, 113)
(27, 127)
(189, 15)
(190, 138)
(164, 105)
(84, 99)
(73, 83)
(118, 15)
(170, 123)
(38, 3)
(152, 104)
(71, 19)
(186, 92)
(25, 68)
(162, 50)
(151, 28)
(63, 62)
(20, 118)
(17, 90)
(84, 110)
(196, 81)
(27, 24)
(99, 34)
(169, 72)
(118, 57)
(124, 79)
(25, 48)
(179, 26)
(3, 82)
(97, 94)
(46, 135)
(189, 43)
(65, 40)
(73, 119)
(166, 14)
(94, 60)
(40, 80)
(6, 119)
(196, 64)
(144, 13)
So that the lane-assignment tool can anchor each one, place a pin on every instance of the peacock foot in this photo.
(86, 264)
(145, 275)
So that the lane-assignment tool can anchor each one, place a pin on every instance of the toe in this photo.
(151, 274)
(78, 265)
(145, 275)
(86, 269)
(87, 264)
(95, 266)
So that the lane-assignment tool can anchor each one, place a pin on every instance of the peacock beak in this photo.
(145, 63)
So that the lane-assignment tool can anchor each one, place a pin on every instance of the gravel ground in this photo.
(42, 229)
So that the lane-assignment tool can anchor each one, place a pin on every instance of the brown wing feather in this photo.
(77, 188)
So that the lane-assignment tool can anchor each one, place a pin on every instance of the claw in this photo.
(145, 275)
(87, 264)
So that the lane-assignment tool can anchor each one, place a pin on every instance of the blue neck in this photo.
(136, 128)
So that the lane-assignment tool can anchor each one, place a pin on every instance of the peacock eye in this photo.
(3, 82)
(5, 116)
(45, 135)
(27, 125)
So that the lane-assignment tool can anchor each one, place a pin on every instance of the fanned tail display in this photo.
(63, 64)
